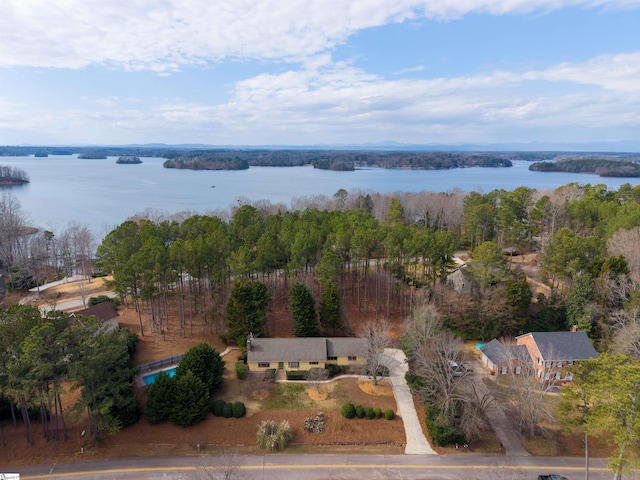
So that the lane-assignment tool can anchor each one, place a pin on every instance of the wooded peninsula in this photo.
(601, 165)
(12, 176)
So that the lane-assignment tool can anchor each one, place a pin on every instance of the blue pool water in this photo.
(149, 379)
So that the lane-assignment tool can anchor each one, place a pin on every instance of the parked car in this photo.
(553, 476)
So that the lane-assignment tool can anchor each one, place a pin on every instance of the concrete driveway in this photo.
(416, 442)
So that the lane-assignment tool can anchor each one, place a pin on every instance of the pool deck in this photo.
(138, 380)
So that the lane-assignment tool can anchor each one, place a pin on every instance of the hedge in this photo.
(348, 410)
(370, 412)
(441, 434)
(297, 374)
(241, 370)
(389, 415)
(334, 370)
(360, 412)
(239, 410)
(217, 406)
(227, 411)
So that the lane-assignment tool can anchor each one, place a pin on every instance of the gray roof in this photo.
(102, 311)
(499, 353)
(307, 349)
(563, 345)
(346, 346)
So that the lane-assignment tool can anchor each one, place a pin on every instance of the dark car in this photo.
(553, 476)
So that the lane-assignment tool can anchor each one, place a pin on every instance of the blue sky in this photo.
(301, 72)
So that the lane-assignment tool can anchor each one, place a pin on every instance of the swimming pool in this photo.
(149, 379)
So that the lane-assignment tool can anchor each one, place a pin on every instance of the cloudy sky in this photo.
(296, 72)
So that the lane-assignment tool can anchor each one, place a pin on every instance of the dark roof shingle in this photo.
(563, 345)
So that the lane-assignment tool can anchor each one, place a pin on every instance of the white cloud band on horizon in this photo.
(339, 102)
(166, 35)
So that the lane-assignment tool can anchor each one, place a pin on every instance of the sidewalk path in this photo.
(416, 442)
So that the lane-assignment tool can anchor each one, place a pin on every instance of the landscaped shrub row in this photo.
(334, 370)
(241, 370)
(297, 374)
(220, 408)
(349, 410)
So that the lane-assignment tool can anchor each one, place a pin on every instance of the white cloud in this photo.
(165, 35)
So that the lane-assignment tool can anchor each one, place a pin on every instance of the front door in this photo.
(280, 365)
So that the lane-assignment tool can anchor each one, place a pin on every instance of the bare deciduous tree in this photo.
(317, 377)
(529, 391)
(437, 363)
(477, 401)
(376, 334)
(627, 243)
(13, 223)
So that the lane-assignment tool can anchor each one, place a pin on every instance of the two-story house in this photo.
(553, 354)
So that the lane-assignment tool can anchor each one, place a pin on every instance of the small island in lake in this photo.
(604, 167)
(128, 160)
(337, 160)
(92, 156)
(12, 176)
(206, 163)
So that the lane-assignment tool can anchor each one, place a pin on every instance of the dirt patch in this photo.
(382, 389)
(144, 439)
(318, 395)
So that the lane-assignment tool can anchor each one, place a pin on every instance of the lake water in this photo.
(103, 194)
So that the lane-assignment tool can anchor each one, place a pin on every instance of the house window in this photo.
(539, 361)
(559, 364)
(294, 364)
(570, 362)
(332, 358)
(263, 364)
(538, 373)
(518, 369)
(557, 377)
(548, 364)
(313, 363)
(569, 377)
(352, 359)
(503, 370)
(547, 376)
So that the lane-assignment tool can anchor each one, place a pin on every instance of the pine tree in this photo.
(305, 321)
(205, 363)
(246, 309)
(330, 307)
(161, 398)
(191, 401)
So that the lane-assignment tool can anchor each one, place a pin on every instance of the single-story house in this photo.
(304, 353)
(102, 311)
(553, 354)
(504, 359)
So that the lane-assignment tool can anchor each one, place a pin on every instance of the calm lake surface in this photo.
(103, 194)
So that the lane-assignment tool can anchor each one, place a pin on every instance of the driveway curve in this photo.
(417, 443)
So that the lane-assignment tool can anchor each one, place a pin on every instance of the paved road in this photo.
(324, 467)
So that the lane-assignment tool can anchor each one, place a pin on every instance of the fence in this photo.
(160, 364)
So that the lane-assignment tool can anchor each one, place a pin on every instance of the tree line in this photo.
(40, 356)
